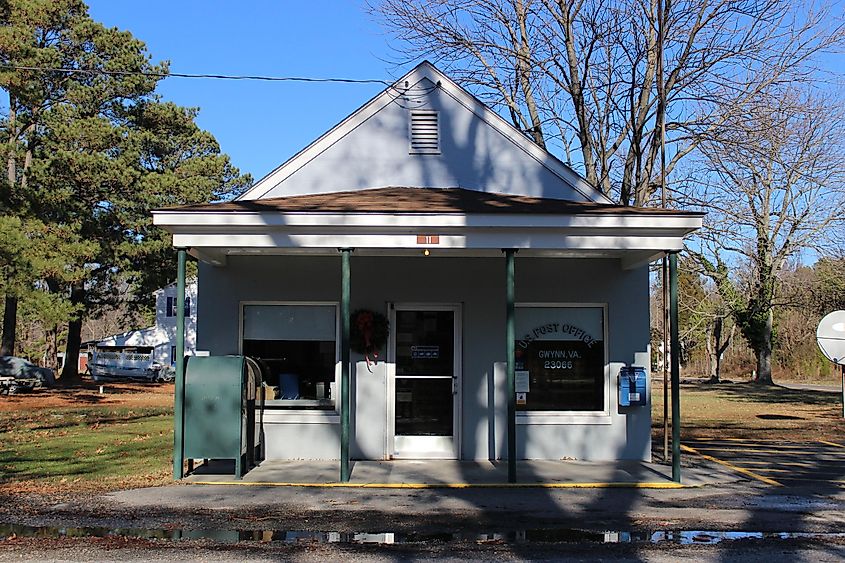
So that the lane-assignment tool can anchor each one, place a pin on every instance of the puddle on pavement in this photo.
(550, 535)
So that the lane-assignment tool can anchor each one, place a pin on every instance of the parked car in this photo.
(17, 374)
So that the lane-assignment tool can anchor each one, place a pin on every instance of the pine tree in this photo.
(100, 151)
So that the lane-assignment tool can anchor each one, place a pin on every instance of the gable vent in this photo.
(425, 132)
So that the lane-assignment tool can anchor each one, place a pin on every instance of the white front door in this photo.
(425, 382)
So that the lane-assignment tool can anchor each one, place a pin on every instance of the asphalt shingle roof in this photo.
(421, 200)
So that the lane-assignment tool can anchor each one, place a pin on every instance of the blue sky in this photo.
(260, 124)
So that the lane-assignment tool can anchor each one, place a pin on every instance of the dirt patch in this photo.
(88, 394)
(748, 410)
(77, 489)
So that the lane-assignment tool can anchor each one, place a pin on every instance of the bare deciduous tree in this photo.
(717, 345)
(581, 76)
(772, 182)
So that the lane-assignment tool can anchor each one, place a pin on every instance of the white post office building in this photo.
(486, 296)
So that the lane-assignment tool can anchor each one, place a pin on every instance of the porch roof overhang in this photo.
(447, 221)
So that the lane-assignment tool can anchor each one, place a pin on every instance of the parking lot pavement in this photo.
(775, 462)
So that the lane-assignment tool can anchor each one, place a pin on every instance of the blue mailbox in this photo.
(632, 386)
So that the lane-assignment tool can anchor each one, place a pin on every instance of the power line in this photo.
(402, 96)
(188, 75)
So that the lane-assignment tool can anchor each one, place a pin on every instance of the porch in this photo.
(438, 247)
(424, 474)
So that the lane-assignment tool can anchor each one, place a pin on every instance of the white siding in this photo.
(168, 324)
(472, 155)
(476, 283)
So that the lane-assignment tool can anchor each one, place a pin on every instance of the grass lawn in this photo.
(80, 448)
(747, 410)
(77, 440)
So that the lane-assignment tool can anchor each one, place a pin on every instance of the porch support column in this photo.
(346, 288)
(511, 359)
(179, 392)
(675, 353)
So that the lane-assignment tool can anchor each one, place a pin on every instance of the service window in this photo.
(560, 359)
(298, 345)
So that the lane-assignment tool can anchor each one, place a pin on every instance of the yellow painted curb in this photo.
(774, 470)
(727, 439)
(831, 443)
(452, 485)
(816, 480)
(731, 466)
(805, 465)
(755, 451)
(748, 444)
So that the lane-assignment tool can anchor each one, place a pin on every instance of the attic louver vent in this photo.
(425, 132)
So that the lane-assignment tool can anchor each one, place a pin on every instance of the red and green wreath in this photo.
(368, 333)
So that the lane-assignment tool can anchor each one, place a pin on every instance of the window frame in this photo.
(572, 417)
(303, 414)
(170, 306)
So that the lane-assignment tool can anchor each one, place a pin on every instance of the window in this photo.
(171, 306)
(560, 359)
(298, 347)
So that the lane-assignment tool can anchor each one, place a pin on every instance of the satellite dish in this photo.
(831, 337)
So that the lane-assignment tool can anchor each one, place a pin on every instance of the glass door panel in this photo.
(425, 383)
(424, 406)
(425, 342)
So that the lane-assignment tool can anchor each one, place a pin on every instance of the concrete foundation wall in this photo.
(478, 285)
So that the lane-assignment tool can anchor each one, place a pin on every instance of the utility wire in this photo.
(402, 96)
(187, 75)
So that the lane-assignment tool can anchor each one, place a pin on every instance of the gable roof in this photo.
(189, 281)
(426, 71)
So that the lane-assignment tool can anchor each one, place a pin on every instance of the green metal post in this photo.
(179, 392)
(344, 365)
(511, 376)
(675, 354)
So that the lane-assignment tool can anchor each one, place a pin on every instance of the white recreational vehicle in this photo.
(148, 354)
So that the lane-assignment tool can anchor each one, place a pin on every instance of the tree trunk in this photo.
(764, 354)
(11, 161)
(52, 360)
(10, 317)
(712, 351)
(716, 348)
(10, 313)
(720, 350)
(523, 72)
(70, 373)
(717, 336)
(576, 93)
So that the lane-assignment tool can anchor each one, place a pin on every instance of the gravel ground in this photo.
(741, 506)
(133, 550)
(432, 515)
